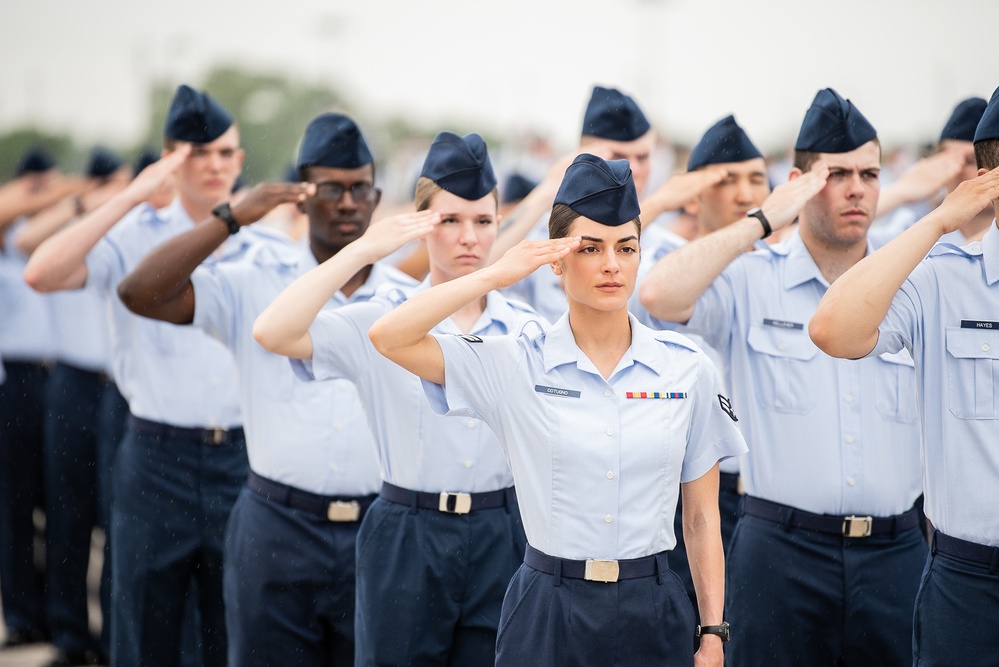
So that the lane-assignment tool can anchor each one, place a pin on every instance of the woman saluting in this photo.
(604, 422)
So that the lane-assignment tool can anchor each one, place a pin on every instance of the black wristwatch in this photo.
(723, 631)
(758, 214)
(224, 213)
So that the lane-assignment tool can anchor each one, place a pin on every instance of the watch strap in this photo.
(723, 631)
(224, 213)
(758, 214)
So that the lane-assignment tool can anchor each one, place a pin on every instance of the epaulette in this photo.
(944, 248)
(675, 338)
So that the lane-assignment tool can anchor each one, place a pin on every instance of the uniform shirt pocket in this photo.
(781, 362)
(972, 372)
(896, 387)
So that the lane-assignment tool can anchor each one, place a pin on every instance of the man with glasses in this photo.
(289, 566)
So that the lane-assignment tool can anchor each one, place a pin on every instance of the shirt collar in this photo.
(497, 311)
(800, 266)
(990, 251)
(560, 348)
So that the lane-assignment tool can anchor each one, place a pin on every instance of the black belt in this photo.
(607, 571)
(981, 554)
(208, 436)
(847, 526)
(335, 508)
(729, 481)
(449, 502)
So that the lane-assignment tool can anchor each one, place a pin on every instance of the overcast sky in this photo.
(511, 66)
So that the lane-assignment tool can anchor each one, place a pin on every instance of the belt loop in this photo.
(994, 566)
(660, 569)
(893, 533)
(557, 572)
(506, 498)
(414, 506)
(787, 516)
(933, 543)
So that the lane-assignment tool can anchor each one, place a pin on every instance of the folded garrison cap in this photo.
(964, 120)
(35, 161)
(724, 142)
(988, 126)
(613, 115)
(103, 162)
(833, 125)
(146, 158)
(460, 165)
(516, 187)
(195, 117)
(333, 140)
(601, 190)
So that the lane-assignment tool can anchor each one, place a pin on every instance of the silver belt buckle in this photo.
(606, 571)
(857, 526)
(462, 503)
(218, 435)
(343, 511)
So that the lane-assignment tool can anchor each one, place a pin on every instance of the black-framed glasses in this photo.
(333, 191)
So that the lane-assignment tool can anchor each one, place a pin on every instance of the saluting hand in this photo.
(384, 237)
(923, 179)
(152, 177)
(783, 205)
(525, 257)
(681, 188)
(263, 198)
(967, 201)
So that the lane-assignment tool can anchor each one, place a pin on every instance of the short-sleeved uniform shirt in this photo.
(598, 463)
(830, 436)
(947, 315)
(26, 331)
(168, 373)
(309, 435)
(416, 449)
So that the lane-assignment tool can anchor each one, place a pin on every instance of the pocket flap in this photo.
(972, 343)
(787, 343)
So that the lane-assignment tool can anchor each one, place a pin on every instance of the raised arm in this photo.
(283, 327)
(847, 319)
(160, 286)
(403, 334)
(59, 263)
(47, 222)
(673, 286)
(921, 181)
(702, 534)
(19, 197)
(678, 190)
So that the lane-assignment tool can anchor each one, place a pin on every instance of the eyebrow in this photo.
(594, 239)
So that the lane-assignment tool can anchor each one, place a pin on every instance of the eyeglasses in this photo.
(333, 191)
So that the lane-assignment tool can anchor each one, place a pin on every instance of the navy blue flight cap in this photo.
(988, 126)
(517, 187)
(35, 161)
(103, 162)
(962, 123)
(613, 115)
(460, 165)
(146, 158)
(195, 117)
(333, 140)
(601, 190)
(833, 125)
(291, 174)
(724, 142)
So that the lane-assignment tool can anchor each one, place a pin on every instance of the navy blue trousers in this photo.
(170, 503)
(955, 617)
(550, 620)
(289, 586)
(22, 418)
(430, 585)
(797, 597)
(84, 422)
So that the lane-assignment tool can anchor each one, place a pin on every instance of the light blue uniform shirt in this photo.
(657, 242)
(417, 449)
(26, 331)
(82, 329)
(171, 374)
(947, 315)
(598, 474)
(825, 435)
(309, 435)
